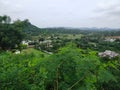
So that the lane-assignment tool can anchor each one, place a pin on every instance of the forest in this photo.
(58, 58)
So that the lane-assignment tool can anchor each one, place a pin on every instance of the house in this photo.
(25, 43)
(48, 43)
(112, 38)
(108, 53)
(28, 43)
(17, 52)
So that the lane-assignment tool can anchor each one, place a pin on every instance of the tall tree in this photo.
(10, 36)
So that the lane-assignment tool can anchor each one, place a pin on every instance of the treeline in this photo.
(35, 31)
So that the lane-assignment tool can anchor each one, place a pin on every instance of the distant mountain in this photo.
(84, 28)
(33, 30)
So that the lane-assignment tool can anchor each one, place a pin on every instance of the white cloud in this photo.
(9, 7)
(107, 14)
(108, 7)
(71, 13)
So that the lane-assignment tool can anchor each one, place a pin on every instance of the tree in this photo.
(10, 36)
(75, 69)
(5, 19)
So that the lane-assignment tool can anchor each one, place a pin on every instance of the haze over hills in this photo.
(86, 28)
(32, 27)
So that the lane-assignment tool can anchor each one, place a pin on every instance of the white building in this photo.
(17, 52)
(110, 39)
(25, 43)
(108, 53)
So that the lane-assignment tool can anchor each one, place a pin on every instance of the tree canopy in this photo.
(10, 34)
(69, 69)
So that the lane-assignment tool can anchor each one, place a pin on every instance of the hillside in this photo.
(33, 30)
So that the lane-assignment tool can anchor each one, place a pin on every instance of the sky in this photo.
(64, 13)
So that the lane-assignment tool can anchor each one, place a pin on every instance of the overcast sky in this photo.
(64, 13)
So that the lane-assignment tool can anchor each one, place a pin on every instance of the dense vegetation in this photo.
(11, 34)
(69, 69)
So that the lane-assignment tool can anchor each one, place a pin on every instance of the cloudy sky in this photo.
(64, 13)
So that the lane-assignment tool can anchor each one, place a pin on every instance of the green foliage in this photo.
(68, 69)
(10, 36)
(72, 68)
(21, 71)
(22, 46)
